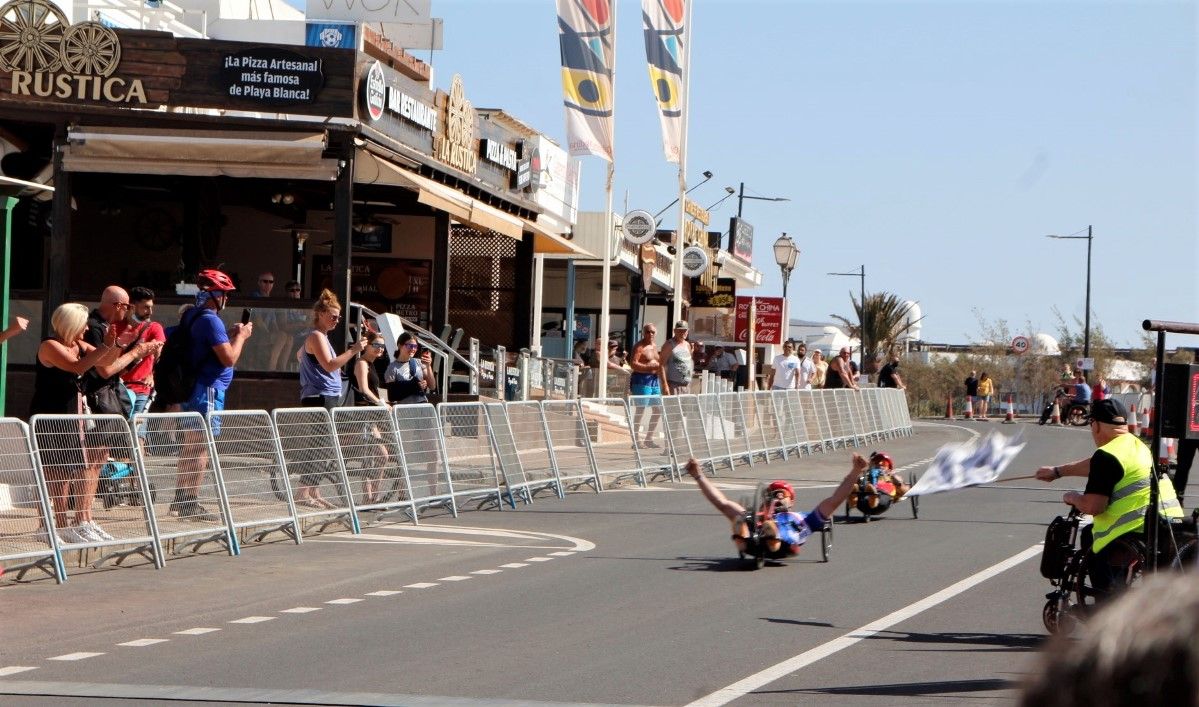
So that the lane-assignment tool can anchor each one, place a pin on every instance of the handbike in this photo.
(759, 510)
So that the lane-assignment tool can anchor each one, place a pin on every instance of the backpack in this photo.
(174, 374)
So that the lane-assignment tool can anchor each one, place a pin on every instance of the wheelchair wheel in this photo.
(914, 500)
(826, 541)
(1051, 614)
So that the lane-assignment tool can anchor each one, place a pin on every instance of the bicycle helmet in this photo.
(212, 280)
(780, 486)
(877, 459)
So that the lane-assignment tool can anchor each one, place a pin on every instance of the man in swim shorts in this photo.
(647, 380)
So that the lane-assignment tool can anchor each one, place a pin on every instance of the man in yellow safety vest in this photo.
(1117, 491)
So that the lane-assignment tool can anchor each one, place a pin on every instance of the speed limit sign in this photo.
(1020, 344)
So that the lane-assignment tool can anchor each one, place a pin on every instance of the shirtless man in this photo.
(647, 380)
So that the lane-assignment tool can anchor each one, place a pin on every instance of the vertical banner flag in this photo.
(664, 41)
(586, 38)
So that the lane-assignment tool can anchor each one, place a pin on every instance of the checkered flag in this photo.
(958, 466)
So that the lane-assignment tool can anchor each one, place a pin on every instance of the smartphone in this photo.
(245, 315)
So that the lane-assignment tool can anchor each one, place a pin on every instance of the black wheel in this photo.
(759, 553)
(1076, 416)
(914, 500)
(1050, 615)
(847, 509)
(277, 485)
(826, 541)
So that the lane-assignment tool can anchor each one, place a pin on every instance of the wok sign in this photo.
(768, 321)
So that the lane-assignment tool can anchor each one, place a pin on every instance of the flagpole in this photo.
(677, 309)
(601, 346)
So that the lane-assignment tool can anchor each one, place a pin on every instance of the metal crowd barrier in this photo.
(174, 481)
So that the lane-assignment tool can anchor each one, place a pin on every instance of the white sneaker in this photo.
(75, 535)
(99, 532)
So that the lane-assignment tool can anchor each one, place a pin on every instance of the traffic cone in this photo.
(949, 408)
(1055, 418)
(1165, 450)
(969, 411)
(1147, 423)
(1133, 428)
(1010, 417)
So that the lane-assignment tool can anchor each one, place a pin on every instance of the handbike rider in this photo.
(1117, 490)
(783, 530)
(879, 482)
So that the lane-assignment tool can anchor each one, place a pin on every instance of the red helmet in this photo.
(780, 486)
(214, 280)
(878, 458)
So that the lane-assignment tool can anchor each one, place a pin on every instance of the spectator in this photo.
(807, 370)
(365, 381)
(615, 356)
(320, 379)
(18, 326)
(409, 380)
(840, 371)
(785, 367)
(1100, 391)
(821, 369)
(971, 384)
(266, 321)
(72, 474)
(888, 375)
(646, 381)
(986, 388)
(291, 328)
(1140, 650)
(214, 353)
(678, 366)
(722, 363)
(139, 376)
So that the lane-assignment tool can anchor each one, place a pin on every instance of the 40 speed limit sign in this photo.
(1020, 344)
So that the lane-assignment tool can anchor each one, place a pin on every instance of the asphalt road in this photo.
(625, 597)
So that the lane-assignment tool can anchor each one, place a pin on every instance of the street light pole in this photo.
(742, 197)
(1086, 334)
(861, 315)
(786, 253)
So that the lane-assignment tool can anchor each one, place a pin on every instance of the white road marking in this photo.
(196, 631)
(537, 559)
(384, 593)
(346, 600)
(747, 685)
(562, 554)
(513, 565)
(75, 656)
(487, 571)
(143, 642)
(454, 578)
(420, 585)
(412, 534)
(14, 669)
(253, 620)
(301, 610)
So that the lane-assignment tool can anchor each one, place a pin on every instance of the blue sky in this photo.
(936, 143)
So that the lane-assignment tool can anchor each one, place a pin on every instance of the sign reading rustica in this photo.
(51, 58)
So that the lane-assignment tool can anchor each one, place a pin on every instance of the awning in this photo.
(547, 242)
(746, 275)
(369, 169)
(199, 153)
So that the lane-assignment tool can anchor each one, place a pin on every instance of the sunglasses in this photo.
(412, 346)
(267, 282)
(381, 347)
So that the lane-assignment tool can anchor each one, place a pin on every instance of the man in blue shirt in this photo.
(1082, 391)
(214, 353)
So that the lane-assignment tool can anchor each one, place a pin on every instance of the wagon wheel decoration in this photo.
(30, 34)
(90, 48)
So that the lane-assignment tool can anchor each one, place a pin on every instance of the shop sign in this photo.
(768, 321)
(721, 295)
(498, 153)
(522, 179)
(639, 227)
(50, 58)
(406, 11)
(412, 110)
(455, 146)
(374, 92)
(741, 239)
(695, 261)
(331, 35)
(272, 76)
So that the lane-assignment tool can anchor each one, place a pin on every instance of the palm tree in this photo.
(886, 319)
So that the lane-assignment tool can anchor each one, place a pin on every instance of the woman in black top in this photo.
(70, 460)
(366, 394)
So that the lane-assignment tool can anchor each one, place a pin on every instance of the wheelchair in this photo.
(756, 553)
(1064, 564)
(877, 502)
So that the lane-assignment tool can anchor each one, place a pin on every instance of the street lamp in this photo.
(730, 191)
(786, 253)
(1086, 335)
(707, 176)
(742, 197)
(861, 316)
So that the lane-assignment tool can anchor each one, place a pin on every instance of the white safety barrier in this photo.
(187, 497)
(530, 444)
(423, 451)
(256, 485)
(569, 436)
(317, 474)
(374, 462)
(177, 480)
(471, 460)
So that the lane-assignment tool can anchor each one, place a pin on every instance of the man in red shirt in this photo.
(139, 376)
